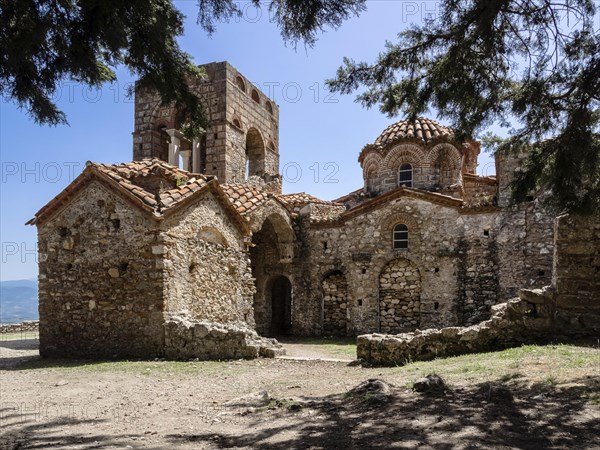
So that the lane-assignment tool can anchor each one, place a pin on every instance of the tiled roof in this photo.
(148, 166)
(301, 199)
(245, 197)
(135, 182)
(425, 130)
(129, 175)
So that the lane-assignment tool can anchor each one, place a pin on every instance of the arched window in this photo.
(405, 175)
(446, 174)
(269, 107)
(255, 96)
(240, 83)
(400, 236)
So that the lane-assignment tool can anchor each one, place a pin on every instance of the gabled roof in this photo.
(380, 200)
(136, 183)
(302, 199)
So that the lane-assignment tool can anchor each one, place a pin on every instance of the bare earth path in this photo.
(531, 397)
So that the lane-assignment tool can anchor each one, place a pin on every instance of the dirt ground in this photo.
(532, 397)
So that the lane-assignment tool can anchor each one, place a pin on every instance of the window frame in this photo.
(406, 168)
(400, 237)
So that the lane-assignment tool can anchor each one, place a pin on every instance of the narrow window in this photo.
(269, 107)
(405, 175)
(240, 84)
(400, 236)
(255, 96)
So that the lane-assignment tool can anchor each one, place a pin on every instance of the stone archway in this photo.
(335, 303)
(270, 255)
(399, 297)
(255, 154)
(281, 306)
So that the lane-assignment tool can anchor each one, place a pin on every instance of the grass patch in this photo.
(342, 347)
(19, 336)
(546, 364)
(136, 367)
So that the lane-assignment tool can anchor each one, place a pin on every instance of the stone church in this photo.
(193, 233)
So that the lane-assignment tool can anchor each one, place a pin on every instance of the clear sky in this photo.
(321, 134)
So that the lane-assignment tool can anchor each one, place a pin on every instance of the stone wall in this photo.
(576, 276)
(238, 120)
(100, 286)
(362, 247)
(512, 323)
(335, 303)
(206, 267)
(109, 274)
(191, 339)
(467, 261)
(434, 165)
(399, 297)
(567, 309)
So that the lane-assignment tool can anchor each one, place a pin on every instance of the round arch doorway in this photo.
(281, 306)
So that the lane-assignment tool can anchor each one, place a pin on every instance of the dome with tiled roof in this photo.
(425, 130)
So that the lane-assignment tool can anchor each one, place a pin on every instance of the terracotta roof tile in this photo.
(422, 129)
(245, 197)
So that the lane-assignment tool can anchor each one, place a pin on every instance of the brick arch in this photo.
(444, 153)
(388, 224)
(371, 166)
(399, 296)
(372, 161)
(403, 153)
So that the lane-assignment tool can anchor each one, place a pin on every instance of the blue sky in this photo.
(320, 134)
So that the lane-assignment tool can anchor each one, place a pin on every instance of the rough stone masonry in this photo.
(137, 258)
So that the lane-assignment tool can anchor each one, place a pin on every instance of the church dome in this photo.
(424, 130)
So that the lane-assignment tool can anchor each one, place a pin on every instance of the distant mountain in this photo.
(18, 301)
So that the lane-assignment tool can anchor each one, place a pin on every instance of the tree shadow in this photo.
(20, 344)
(30, 427)
(488, 415)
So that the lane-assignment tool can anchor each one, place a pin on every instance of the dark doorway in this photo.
(281, 307)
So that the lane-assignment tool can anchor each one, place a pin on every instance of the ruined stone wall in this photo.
(478, 277)
(525, 237)
(100, 284)
(207, 270)
(192, 339)
(274, 247)
(231, 112)
(576, 276)
(252, 109)
(569, 308)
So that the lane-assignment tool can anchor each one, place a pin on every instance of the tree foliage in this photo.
(43, 42)
(532, 66)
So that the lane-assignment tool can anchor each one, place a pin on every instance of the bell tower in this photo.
(242, 139)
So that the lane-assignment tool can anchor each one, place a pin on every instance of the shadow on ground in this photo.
(488, 415)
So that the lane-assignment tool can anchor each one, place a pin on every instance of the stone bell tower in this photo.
(242, 139)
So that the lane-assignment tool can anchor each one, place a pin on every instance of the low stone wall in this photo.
(190, 339)
(513, 323)
(32, 326)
